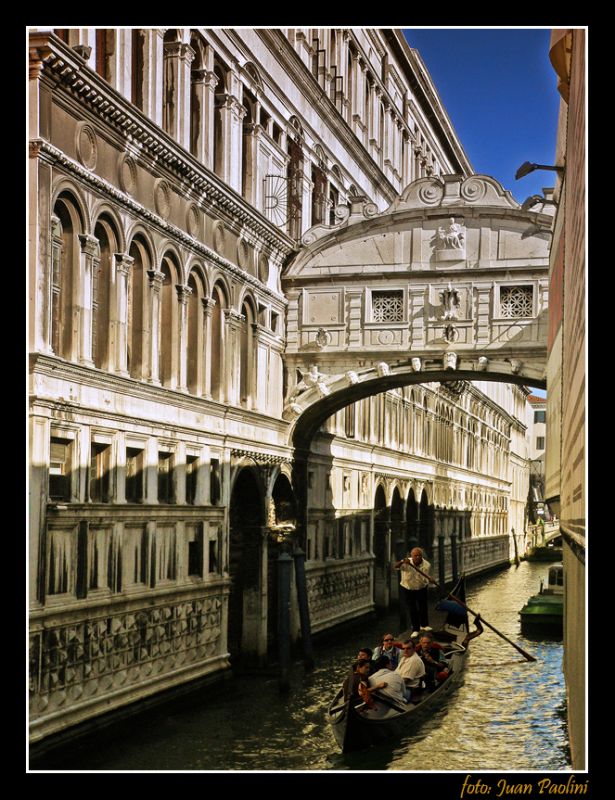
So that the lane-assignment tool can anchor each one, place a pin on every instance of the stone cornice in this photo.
(45, 150)
(80, 375)
(63, 67)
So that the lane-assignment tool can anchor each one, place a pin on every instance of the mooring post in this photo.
(284, 570)
(304, 608)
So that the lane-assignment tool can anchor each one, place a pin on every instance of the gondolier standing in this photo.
(413, 588)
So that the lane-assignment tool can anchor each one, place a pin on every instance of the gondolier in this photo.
(413, 588)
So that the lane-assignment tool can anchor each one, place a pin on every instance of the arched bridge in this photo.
(450, 283)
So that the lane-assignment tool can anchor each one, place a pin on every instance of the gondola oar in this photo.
(525, 655)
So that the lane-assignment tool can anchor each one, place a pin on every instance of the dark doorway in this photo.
(412, 511)
(381, 550)
(284, 523)
(426, 525)
(246, 520)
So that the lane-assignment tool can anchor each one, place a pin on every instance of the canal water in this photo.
(509, 714)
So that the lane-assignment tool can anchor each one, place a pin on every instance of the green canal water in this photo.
(509, 714)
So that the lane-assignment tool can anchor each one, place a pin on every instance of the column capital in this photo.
(233, 317)
(156, 279)
(183, 293)
(123, 262)
(208, 304)
(89, 244)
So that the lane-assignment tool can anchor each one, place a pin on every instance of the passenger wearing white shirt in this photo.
(410, 667)
(394, 685)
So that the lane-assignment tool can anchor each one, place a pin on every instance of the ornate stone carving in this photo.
(451, 242)
(312, 378)
(127, 173)
(483, 361)
(162, 198)
(193, 219)
(450, 360)
(383, 369)
(450, 302)
(515, 365)
(86, 145)
(323, 338)
(352, 377)
(219, 237)
(416, 364)
(97, 657)
(451, 334)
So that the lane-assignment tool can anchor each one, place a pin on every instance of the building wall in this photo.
(566, 370)
(171, 175)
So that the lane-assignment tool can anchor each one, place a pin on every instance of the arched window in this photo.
(138, 334)
(246, 357)
(195, 338)
(217, 344)
(248, 155)
(105, 50)
(65, 269)
(167, 342)
(220, 98)
(138, 67)
(102, 296)
(197, 111)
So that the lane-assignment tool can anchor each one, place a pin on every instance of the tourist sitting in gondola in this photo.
(389, 648)
(394, 685)
(436, 667)
(366, 654)
(411, 668)
(360, 674)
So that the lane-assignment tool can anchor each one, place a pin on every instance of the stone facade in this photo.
(172, 175)
(565, 465)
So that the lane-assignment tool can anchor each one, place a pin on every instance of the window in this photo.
(516, 301)
(60, 469)
(134, 475)
(135, 555)
(166, 492)
(59, 563)
(540, 443)
(540, 416)
(98, 553)
(215, 490)
(100, 473)
(388, 306)
(195, 549)
(166, 556)
(192, 465)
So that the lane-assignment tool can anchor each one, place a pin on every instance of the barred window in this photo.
(516, 301)
(388, 306)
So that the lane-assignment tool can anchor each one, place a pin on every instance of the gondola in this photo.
(357, 727)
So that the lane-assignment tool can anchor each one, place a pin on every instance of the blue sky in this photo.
(500, 92)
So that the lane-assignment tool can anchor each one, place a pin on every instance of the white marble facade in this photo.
(172, 176)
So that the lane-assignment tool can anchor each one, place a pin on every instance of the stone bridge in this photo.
(449, 283)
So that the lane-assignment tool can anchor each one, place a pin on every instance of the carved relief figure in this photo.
(450, 301)
(451, 238)
(308, 380)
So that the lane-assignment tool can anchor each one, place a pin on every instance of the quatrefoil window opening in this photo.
(388, 306)
(516, 301)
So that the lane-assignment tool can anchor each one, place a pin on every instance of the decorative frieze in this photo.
(74, 663)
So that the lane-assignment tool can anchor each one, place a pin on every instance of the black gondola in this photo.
(357, 727)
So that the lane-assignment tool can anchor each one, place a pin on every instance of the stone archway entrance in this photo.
(246, 524)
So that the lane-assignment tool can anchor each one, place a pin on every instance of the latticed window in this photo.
(516, 301)
(388, 306)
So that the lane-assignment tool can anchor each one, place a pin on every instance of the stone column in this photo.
(237, 113)
(209, 94)
(232, 322)
(198, 132)
(156, 279)
(118, 350)
(178, 57)
(183, 293)
(83, 306)
(208, 306)
(250, 132)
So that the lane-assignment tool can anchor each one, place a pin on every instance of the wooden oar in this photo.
(525, 655)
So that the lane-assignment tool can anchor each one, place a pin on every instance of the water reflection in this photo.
(509, 714)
